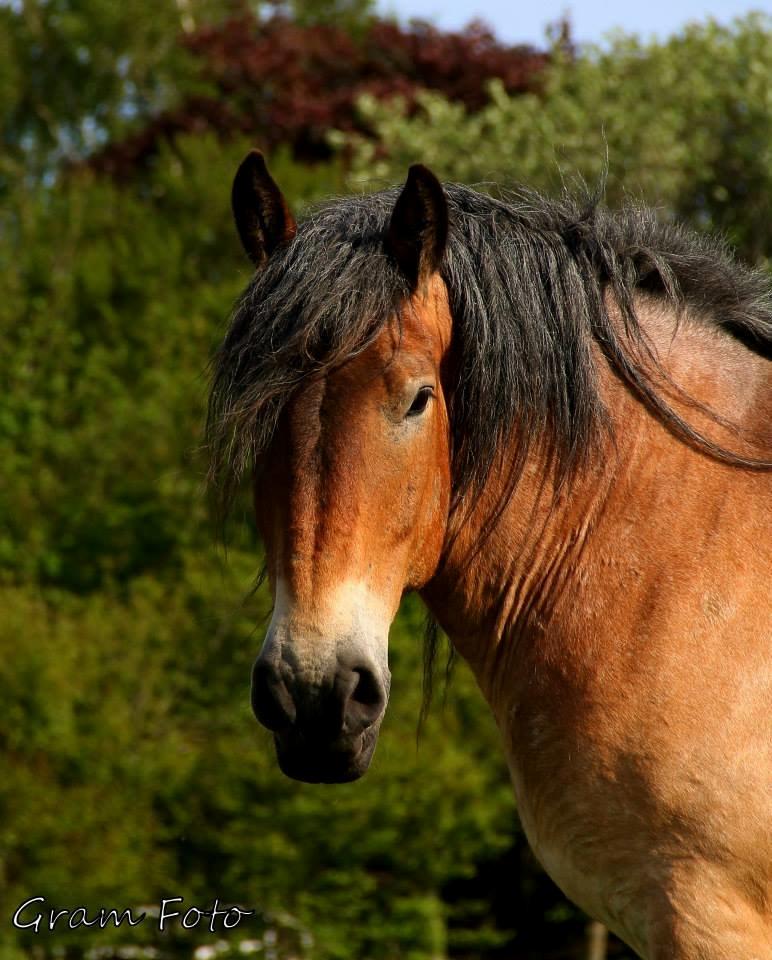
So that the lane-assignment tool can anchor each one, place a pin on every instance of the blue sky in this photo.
(516, 21)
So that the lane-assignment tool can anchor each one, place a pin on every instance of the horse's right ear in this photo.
(262, 216)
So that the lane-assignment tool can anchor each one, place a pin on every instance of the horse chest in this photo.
(629, 818)
(578, 821)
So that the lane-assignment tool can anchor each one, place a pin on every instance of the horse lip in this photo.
(338, 762)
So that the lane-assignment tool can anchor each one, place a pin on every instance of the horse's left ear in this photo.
(418, 231)
(262, 216)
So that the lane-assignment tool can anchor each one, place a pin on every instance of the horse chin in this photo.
(338, 762)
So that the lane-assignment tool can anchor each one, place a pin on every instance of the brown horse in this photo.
(554, 422)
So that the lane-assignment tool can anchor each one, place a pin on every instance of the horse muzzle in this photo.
(325, 727)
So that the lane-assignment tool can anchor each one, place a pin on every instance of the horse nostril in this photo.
(366, 701)
(271, 701)
(368, 690)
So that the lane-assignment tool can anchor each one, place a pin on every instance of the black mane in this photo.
(527, 278)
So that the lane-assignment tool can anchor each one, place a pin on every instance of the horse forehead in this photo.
(420, 333)
(427, 321)
(407, 346)
(403, 350)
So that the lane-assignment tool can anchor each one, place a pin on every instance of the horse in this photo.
(552, 421)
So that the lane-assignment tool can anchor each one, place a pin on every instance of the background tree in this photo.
(684, 124)
(286, 81)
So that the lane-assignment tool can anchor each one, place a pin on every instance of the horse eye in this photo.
(420, 402)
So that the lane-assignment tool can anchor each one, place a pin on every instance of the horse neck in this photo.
(558, 565)
(501, 586)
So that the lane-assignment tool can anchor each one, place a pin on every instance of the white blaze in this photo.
(352, 617)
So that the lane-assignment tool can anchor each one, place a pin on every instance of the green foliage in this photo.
(64, 91)
(126, 779)
(685, 124)
(352, 15)
(131, 766)
(114, 302)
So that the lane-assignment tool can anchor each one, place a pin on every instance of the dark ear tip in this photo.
(420, 172)
(254, 162)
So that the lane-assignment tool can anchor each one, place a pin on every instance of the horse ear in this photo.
(262, 216)
(418, 230)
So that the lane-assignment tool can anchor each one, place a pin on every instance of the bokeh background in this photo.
(131, 768)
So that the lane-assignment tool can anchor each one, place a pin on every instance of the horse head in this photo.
(352, 494)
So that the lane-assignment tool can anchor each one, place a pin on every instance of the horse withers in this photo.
(553, 422)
